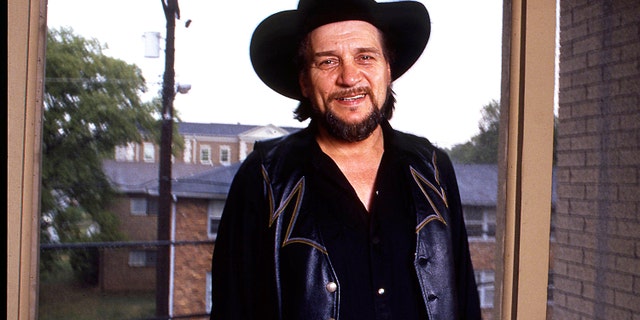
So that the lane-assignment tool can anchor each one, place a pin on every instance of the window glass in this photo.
(149, 152)
(215, 214)
(205, 154)
(225, 155)
(432, 86)
(142, 258)
(138, 206)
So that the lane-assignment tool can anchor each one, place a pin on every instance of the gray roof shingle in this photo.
(141, 177)
(478, 183)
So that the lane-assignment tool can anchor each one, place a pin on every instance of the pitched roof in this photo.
(219, 129)
(478, 183)
(211, 184)
(142, 177)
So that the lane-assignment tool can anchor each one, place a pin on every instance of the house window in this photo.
(205, 154)
(125, 153)
(225, 155)
(208, 292)
(138, 206)
(214, 213)
(142, 258)
(149, 152)
(485, 282)
(143, 206)
(480, 222)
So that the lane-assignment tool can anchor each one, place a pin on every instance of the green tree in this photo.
(483, 147)
(92, 104)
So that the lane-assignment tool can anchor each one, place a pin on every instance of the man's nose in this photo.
(350, 74)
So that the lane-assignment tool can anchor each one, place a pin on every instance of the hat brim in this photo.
(275, 41)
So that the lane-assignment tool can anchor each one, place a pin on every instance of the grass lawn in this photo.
(62, 298)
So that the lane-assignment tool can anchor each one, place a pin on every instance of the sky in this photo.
(440, 98)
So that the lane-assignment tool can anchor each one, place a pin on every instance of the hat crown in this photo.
(320, 12)
(333, 5)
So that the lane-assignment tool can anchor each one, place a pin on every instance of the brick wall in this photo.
(192, 262)
(115, 272)
(596, 267)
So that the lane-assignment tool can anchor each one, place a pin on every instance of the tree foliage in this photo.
(92, 103)
(483, 147)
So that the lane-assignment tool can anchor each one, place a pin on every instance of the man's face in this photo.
(347, 77)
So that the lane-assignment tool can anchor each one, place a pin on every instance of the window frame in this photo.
(148, 152)
(142, 259)
(525, 183)
(225, 150)
(485, 280)
(214, 213)
(526, 159)
(486, 222)
(205, 150)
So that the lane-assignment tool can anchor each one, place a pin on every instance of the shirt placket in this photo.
(378, 269)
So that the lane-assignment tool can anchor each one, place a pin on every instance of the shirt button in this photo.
(332, 287)
(380, 291)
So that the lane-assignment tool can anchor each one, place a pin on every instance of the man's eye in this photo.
(326, 63)
(366, 58)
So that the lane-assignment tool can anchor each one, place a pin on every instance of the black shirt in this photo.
(371, 252)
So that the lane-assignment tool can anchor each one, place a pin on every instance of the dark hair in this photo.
(304, 110)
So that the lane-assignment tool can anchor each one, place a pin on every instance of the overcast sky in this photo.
(439, 98)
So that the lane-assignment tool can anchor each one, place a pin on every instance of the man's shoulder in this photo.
(412, 143)
(293, 142)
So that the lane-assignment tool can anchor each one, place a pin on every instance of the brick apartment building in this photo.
(202, 176)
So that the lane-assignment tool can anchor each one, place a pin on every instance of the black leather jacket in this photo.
(265, 229)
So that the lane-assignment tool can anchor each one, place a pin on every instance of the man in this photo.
(348, 218)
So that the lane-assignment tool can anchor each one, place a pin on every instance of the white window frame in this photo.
(214, 214)
(207, 298)
(149, 152)
(485, 280)
(142, 258)
(125, 153)
(225, 151)
(205, 154)
(487, 222)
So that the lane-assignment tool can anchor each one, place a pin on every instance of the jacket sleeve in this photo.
(242, 266)
(468, 299)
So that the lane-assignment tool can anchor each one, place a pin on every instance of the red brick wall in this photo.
(483, 254)
(192, 262)
(115, 272)
(117, 276)
(596, 267)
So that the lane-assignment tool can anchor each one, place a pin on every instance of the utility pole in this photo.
(171, 12)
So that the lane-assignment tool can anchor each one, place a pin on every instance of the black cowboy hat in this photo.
(274, 45)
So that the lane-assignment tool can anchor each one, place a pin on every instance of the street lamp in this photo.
(183, 88)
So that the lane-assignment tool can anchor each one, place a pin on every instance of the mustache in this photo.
(350, 92)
